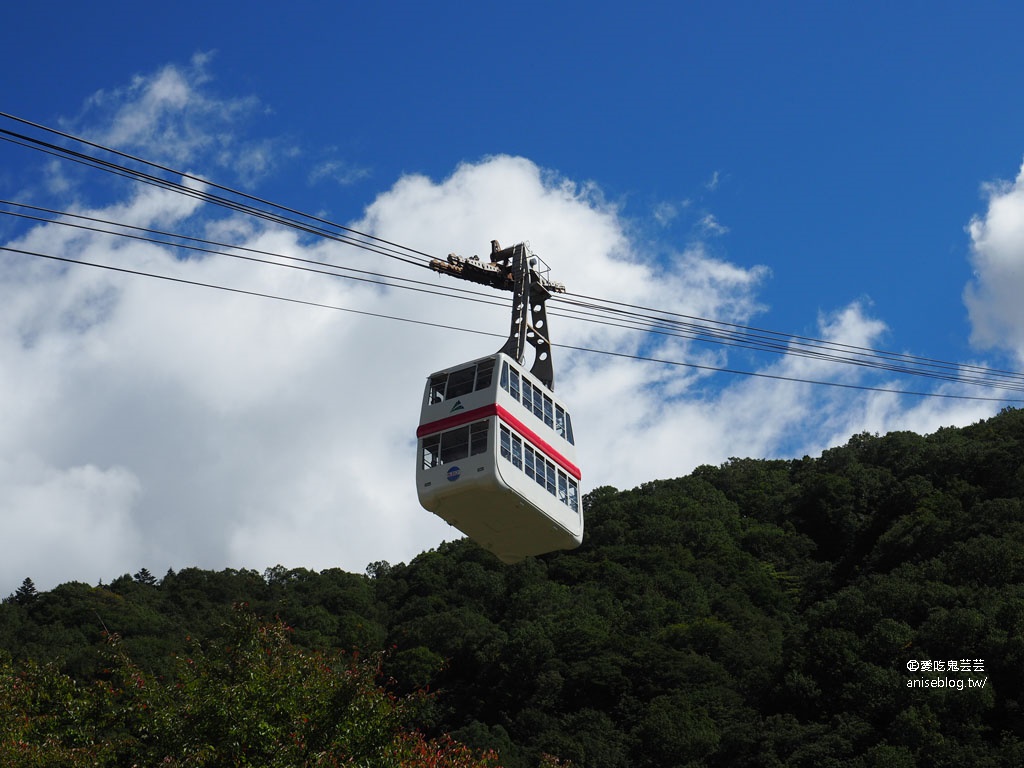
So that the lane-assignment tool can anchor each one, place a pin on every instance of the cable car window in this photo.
(437, 384)
(484, 373)
(477, 438)
(460, 382)
(539, 477)
(431, 451)
(529, 467)
(454, 445)
(506, 443)
(511, 447)
(538, 401)
(539, 469)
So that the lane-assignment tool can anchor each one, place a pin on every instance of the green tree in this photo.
(26, 594)
(253, 698)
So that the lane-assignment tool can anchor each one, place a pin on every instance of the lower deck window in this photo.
(455, 444)
(539, 469)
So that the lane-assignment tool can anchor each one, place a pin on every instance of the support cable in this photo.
(381, 315)
(577, 307)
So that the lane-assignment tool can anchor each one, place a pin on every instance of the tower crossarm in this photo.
(498, 272)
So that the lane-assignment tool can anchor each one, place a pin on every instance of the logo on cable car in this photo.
(453, 474)
(457, 407)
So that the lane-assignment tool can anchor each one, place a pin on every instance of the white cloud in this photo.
(997, 254)
(170, 117)
(710, 226)
(338, 171)
(74, 523)
(665, 213)
(783, 418)
(151, 424)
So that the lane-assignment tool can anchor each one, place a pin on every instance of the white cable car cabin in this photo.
(497, 459)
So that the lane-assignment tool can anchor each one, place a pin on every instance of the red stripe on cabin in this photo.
(493, 409)
(463, 417)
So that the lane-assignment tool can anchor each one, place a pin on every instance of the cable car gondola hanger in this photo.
(496, 447)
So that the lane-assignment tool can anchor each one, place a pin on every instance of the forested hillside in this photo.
(864, 608)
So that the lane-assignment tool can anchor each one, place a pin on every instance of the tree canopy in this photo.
(863, 608)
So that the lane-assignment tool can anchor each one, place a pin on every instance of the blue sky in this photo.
(804, 167)
(849, 143)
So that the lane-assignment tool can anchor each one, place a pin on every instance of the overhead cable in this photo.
(381, 315)
(573, 306)
(280, 214)
(646, 321)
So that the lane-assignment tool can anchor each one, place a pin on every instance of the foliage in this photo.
(758, 613)
(253, 698)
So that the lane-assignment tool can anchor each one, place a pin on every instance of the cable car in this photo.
(497, 454)
(497, 459)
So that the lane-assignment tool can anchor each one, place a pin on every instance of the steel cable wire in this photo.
(578, 307)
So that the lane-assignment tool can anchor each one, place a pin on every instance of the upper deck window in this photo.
(460, 382)
(563, 425)
(536, 402)
(472, 378)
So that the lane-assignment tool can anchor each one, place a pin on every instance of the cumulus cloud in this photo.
(151, 424)
(76, 522)
(997, 255)
(779, 417)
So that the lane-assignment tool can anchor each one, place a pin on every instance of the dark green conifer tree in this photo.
(26, 593)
